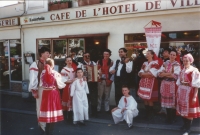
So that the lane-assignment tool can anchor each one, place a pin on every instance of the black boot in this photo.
(183, 128)
(147, 111)
(151, 112)
(168, 119)
(47, 128)
(188, 125)
(65, 115)
(51, 128)
(173, 115)
(94, 110)
(42, 132)
(70, 116)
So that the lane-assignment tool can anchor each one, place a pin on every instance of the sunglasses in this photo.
(86, 55)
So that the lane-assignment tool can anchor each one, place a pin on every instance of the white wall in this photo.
(117, 29)
(36, 6)
(11, 11)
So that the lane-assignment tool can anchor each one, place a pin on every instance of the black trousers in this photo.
(118, 89)
(92, 96)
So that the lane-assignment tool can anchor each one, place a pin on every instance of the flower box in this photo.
(83, 2)
(54, 7)
(64, 5)
(92, 2)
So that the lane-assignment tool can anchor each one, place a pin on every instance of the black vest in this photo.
(124, 76)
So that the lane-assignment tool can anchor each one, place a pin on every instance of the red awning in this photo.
(85, 35)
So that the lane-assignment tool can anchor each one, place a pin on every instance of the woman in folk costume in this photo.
(51, 109)
(68, 76)
(127, 108)
(148, 86)
(187, 93)
(79, 89)
(169, 71)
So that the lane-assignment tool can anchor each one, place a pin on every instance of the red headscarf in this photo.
(47, 75)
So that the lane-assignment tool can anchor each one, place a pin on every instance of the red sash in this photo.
(145, 88)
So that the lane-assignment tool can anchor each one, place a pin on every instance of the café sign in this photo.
(9, 22)
(110, 9)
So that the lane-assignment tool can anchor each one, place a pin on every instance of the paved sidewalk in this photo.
(16, 104)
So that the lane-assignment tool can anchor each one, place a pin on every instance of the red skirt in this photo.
(193, 110)
(50, 109)
(66, 99)
(148, 89)
(168, 94)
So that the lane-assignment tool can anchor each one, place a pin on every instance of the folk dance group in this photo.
(179, 89)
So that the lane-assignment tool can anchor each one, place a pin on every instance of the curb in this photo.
(101, 121)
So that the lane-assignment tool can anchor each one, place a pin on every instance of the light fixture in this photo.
(96, 42)
(185, 33)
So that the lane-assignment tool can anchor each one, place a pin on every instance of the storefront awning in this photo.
(85, 35)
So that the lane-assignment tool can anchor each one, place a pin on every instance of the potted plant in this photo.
(64, 4)
(83, 2)
(54, 5)
(92, 2)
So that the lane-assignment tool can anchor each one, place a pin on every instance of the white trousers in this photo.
(103, 89)
(127, 116)
(38, 104)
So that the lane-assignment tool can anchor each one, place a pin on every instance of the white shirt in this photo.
(128, 67)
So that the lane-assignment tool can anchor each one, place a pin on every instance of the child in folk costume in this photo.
(169, 72)
(187, 93)
(51, 109)
(126, 110)
(79, 89)
(68, 76)
(148, 86)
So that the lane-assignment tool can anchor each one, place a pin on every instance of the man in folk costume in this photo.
(148, 86)
(126, 109)
(187, 93)
(104, 86)
(169, 73)
(121, 69)
(68, 76)
(93, 92)
(34, 77)
(51, 109)
(79, 91)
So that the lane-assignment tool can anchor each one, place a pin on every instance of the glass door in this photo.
(4, 65)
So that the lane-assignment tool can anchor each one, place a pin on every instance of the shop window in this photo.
(43, 42)
(182, 41)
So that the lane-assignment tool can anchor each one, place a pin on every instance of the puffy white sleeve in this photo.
(72, 88)
(64, 76)
(129, 66)
(121, 103)
(142, 69)
(196, 78)
(177, 70)
(160, 70)
(59, 81)
(113, 67)
(132, 104)
(178, 82)
(33, 77)
(154, 69)
(86, 87)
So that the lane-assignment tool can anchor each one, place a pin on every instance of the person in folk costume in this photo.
(50, 109)
(93, 91)
(34, 78)
(165, 57)
(148, 86)
(187, 93)
(68, 76)
(79, 91)
(127, 108)
(121, 70)
(104, 86)
(169, 72)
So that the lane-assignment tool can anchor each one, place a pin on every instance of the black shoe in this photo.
(129, 127)
(82, 123)
(187, 132)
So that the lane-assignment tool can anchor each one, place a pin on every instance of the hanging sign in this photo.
(153, 36)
